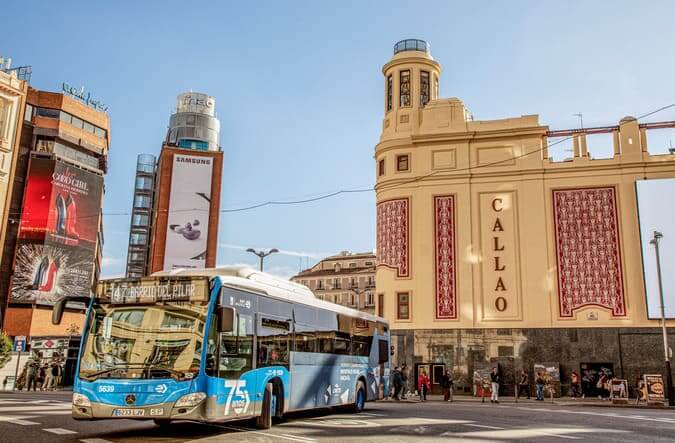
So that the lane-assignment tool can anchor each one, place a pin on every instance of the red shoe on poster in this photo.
(71, 218)
(51, 277)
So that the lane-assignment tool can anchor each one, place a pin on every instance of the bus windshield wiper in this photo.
(95, 375)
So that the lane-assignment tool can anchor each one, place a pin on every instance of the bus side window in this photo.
(274, 342)
(383, 350)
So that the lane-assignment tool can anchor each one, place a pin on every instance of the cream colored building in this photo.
(479, 230)
(347, 279)
(12, 104)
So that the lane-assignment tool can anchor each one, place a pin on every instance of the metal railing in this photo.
(412, 45)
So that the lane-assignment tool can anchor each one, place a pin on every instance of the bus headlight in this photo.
(80, 400)
(189, 400)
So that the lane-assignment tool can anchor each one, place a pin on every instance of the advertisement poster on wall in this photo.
(62, 204)
(57, 233)
(188, 219)
(45, 272)
(656, 393)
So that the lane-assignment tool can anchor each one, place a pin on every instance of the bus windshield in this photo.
(161, 340)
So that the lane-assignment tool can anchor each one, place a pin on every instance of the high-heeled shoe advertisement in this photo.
(188, 220)
(61, 204)
(57, 232)
(43, 273)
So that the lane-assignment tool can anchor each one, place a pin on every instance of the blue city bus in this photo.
(222, 344)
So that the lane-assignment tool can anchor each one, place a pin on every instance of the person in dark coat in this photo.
(524, 384)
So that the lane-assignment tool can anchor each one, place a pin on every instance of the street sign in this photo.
(20, 343)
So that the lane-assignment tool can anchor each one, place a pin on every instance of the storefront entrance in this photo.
(434, 371)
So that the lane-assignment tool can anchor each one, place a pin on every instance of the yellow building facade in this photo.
(484, 242)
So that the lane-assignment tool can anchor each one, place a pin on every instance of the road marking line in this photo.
(15, 417)
(59, 431)
(33, 408)
(298, 436)
(483, 426)
(95, 440)
(22, 422)
(294, 438)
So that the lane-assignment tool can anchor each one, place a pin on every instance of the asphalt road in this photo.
(45, 417)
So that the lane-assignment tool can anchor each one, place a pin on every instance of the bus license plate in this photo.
(129, 412)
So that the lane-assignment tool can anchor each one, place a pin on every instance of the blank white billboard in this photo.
(656, 210)
(189, 204)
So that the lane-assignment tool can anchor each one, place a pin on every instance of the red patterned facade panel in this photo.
(446, 274)
(393, 235)
(588, 250)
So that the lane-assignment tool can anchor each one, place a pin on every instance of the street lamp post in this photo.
(670, 395)
(359, 293)
(262, 254)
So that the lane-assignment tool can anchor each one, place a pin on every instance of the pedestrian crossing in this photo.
(28, 412)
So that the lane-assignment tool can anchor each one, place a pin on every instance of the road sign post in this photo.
(19, 346)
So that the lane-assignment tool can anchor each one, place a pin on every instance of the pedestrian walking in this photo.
(445, 385)
(603, 387)
(495, 381)
(575, 383)
(59, 376)
(404, 381)
(397, 384)
(523, 384)
(41, 375)
(540, 383)
(423, 385)
(31, 375)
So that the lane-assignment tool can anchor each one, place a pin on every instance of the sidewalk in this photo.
(563, 401)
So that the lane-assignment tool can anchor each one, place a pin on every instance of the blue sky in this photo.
(299, 90)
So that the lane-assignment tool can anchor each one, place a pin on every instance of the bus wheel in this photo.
(264, 420)
(359, 397)
(162, 422)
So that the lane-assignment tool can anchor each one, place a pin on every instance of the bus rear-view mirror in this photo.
(57, 311)
(226, 319)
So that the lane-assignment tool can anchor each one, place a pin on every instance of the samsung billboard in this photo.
(657, 213)
(188, 217)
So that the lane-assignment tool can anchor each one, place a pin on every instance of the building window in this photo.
(337, 267)
(28, 115)
(403, 306)
(144, 183)
(436, 92)
(380, 305)
(319, 284)
(402, 163)
(337, 284)
(353, 283)
(371, 281)
(370, 299)
(380, 167)
(139, 239)
(140, 220)
(405, 89)
(369, 263)
(390, 92)
(141, 201)
(505, 351)
(352, 300)
(424, 87)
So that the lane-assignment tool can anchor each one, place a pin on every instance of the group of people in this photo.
(43, 377)
(399, 384)
(524, 385)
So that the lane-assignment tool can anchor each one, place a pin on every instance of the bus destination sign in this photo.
(125, 291)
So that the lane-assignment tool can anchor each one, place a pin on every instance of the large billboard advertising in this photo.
(188, 218)
(57, 232)
(655, 214)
